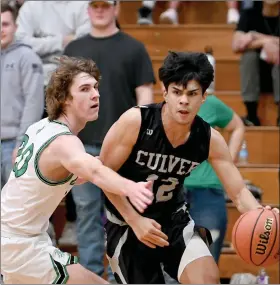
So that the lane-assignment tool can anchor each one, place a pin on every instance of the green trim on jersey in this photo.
(36, 166)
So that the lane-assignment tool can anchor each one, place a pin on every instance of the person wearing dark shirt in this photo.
(127, 81)
(256, 35)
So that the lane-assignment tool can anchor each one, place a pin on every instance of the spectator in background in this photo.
(127, 80)
(233, 12)
(256, 36)
(16, 3)
(170, 16)
(22, 90)
(48, 26)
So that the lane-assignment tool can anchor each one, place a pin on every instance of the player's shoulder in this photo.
(131, 116)
(216, 137)
(37, 125)
(63, 141)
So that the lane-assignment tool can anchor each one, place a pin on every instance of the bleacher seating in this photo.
(203, 24)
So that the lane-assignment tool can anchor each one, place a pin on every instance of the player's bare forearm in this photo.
(105, 178)
(92, 169)
(230, 177)
(70, 152)
(123, 206)
(235, 187)
(245, 201)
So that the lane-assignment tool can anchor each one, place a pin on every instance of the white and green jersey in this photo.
(29, 199)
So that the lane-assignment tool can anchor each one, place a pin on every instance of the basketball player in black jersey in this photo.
(164, 143)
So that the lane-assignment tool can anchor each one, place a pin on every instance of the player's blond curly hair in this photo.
(58, 89)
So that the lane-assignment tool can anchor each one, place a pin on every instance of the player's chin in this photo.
(93, 117)
(183, 121)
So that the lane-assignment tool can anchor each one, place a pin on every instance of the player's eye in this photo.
(85, 89)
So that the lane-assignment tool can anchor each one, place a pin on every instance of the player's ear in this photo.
(164, 91)
(204, 96)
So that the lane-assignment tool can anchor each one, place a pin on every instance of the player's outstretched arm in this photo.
(221, 161)
(115, 150)
(70, 152)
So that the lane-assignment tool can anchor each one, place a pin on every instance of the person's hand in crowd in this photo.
(271, 52)
(245, 40)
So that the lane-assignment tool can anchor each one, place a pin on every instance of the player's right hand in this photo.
(149, 232)
(141, 195)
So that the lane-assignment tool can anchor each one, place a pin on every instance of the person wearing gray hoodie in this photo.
(22, 90)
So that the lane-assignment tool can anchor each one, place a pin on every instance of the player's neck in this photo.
(74, 126)
(176, 133)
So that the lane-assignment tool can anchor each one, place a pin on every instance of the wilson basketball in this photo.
(255, 237)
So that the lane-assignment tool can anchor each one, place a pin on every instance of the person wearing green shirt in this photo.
(204, 191)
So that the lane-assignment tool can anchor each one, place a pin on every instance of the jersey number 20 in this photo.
(23, 156)
(165, 191)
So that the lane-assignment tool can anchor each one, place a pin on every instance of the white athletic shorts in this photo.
(33, 260)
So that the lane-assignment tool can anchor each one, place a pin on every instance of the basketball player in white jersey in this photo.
(49, 162)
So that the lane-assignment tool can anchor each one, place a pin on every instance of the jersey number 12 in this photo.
(165, 191)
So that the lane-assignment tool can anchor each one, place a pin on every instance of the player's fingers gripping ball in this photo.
(255, 237)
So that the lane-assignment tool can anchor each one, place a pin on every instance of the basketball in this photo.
(255, 237)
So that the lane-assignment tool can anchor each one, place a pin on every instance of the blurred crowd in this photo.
(35, 33)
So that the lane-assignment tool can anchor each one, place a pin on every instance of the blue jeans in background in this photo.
(89, 200)
(208, 209)
(7, 147)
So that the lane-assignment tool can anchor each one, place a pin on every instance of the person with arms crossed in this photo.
(50, 160)
(163, 143)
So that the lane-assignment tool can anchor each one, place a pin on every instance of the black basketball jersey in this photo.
(154, 158)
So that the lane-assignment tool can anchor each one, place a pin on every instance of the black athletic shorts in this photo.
(133, 262)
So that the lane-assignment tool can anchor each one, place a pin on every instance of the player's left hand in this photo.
(276, 210)
(141, 196)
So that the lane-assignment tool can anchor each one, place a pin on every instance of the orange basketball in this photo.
(255, 237)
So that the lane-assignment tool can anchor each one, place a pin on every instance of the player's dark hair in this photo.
(181, 67)
(58, 89)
